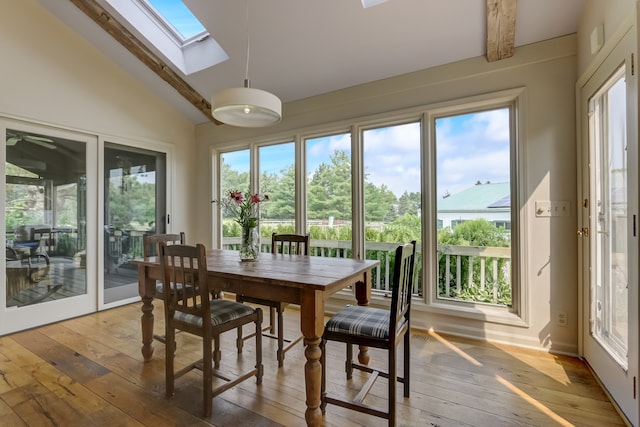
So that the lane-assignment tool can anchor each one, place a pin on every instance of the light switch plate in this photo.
(546, 208)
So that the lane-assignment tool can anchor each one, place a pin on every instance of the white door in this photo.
(608, 225)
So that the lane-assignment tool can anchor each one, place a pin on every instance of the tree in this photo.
(409, 203)
(281, 190)
(233, 180)
(330, 189)
(380, 203)
(131, 203)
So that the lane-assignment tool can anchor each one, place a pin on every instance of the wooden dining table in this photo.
(304, 280)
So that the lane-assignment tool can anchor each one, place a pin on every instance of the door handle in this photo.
(584, 232)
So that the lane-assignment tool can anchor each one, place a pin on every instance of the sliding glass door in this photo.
(47, 203)
(134, 205)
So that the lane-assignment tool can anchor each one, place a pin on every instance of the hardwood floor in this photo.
(89, 371)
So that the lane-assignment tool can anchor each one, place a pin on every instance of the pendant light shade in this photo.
(246, 107)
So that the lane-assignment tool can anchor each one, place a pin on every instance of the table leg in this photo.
(312, 327)
(363, 294)
(146, 289)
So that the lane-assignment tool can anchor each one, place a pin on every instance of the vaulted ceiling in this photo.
(302, 48)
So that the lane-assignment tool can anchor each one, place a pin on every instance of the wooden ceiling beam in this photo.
(127, 39)
(501, 29)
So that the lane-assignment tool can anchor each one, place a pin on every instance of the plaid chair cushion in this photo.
(221, 311)
(361, 321)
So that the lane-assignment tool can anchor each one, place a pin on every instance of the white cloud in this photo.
(392, 157)
(472, 147)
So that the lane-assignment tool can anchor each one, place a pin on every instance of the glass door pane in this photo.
(609, 315)
(45, 218)
(134, 205)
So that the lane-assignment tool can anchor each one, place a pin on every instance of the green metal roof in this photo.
(480, 197)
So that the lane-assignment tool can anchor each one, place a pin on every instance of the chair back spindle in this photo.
(292, 244)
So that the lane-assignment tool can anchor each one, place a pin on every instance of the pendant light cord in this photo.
(246, 72)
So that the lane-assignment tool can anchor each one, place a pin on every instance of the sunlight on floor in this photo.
(561, 421)
(454, 348)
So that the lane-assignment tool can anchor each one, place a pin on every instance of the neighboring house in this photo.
(491, 201)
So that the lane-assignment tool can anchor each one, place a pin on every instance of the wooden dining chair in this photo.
(379, 328)
(151, 247)
(196, 313)
(286, 244)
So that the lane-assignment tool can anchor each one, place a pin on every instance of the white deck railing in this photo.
(494, 262)
(480, 266)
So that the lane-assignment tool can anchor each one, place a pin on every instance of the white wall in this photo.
(548, 72)
(610, 15)
(49, 75)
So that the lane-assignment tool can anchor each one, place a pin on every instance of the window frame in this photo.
(517, 313)
(515, 99)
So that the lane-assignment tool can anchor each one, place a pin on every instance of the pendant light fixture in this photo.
(245, 106)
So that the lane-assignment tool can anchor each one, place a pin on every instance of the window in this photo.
(392, 194)
(328, 195)
(234, 176)
(473, 189)
(277, 180)
(366, 190)
(178, 17)
(169, 27)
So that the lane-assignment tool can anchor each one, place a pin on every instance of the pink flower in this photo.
(243, 207)
(236, 195)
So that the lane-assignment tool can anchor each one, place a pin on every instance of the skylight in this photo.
(179, 17)
(170, 28)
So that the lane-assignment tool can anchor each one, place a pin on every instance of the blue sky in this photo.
(469, 148)
(179, 16)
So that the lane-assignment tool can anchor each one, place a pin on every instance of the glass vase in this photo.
(250, 244)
